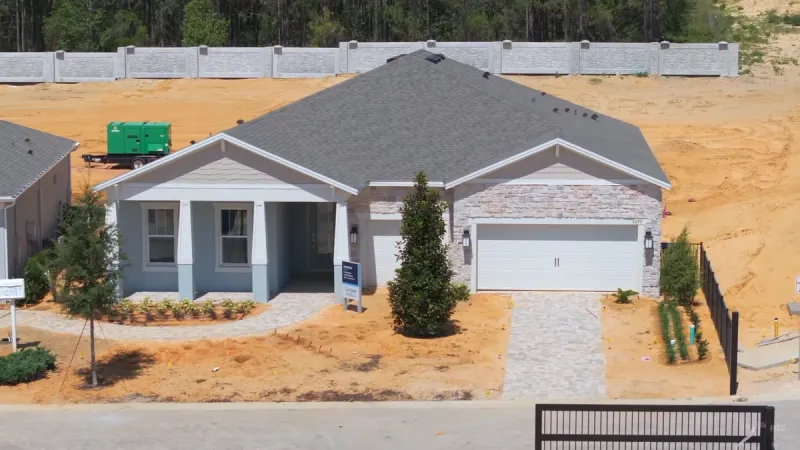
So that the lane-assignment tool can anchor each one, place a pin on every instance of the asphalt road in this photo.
(461, 425)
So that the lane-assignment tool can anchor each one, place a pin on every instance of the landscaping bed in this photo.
(337, 355)
(636, 357)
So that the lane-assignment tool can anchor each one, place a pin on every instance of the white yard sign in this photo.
(11, 291)
(797, 285)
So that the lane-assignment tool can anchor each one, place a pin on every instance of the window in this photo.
(234, 231)
(161, 236)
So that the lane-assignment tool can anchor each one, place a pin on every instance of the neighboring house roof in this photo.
(26, 154)
(449, 119)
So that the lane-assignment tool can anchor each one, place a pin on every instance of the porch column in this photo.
(111, 221)
(341, 248)
(185, 252)
(260, 259)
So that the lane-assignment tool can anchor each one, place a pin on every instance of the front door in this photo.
(322, 224)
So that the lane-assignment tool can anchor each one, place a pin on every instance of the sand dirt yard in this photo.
(338, 355)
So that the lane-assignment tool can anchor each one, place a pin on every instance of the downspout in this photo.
(5, 241)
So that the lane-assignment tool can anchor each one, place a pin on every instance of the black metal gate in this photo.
(656, 427)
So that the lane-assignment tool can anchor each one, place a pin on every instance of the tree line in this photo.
(104, 25)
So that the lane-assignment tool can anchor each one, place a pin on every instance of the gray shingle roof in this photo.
(449, 119)
(25, 154)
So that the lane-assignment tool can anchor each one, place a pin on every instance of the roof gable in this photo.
(27, 154)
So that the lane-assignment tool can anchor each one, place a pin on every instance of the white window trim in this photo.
(232, 268)
(147, 266)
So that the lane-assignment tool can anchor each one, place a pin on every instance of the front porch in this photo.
(215, 250)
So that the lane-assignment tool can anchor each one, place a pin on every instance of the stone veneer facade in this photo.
(473, 201)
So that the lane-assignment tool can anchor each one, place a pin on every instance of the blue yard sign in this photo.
(351, 283)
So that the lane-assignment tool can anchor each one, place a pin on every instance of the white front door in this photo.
(385, 236)
(558, 257)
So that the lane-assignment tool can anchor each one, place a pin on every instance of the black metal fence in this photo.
(725, 322)
(654, 427)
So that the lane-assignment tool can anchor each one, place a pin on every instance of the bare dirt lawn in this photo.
(340, 355)
(632, 332)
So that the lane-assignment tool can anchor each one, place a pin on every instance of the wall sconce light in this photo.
(465, 239)
(648, 240)
(353, 235)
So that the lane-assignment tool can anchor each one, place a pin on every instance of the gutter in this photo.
(5, 241)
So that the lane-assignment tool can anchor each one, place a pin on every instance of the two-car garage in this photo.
(577, 257)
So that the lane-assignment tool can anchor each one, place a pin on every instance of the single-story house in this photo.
(35, 185)
(543, 194)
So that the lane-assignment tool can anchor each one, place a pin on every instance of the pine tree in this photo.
(87, 255)
(421, 295)
(680, 270)
(203, 26)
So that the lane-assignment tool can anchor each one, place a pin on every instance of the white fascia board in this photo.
(547, 145)
(224, 138)
(403, 184)
(158, 163)
(289, 164)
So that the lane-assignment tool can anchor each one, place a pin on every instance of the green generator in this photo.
(134, 144)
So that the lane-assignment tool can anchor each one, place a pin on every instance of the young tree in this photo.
(203, 26)
(87, 255)
(421, 295)
(680, 270)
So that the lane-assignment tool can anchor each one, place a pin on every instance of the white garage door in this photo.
(385, 237)
(558, 257)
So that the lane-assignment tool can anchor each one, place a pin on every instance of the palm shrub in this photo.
(421, 295)
(624, 296)
(27, 365)
(680, 270)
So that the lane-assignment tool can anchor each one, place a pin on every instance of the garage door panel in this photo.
(590, 257)
(384, 239)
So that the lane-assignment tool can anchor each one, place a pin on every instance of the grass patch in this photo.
(595, 81)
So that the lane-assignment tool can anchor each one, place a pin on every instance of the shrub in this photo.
(167, 303)
(186, 307)
(702, 348)
(27, 365)
(460, 291)
(625, 296)
(240, 308)
(37, 279)
(792, 19)
(227, 308)
(249, 304)
(162, 308)
(125, 308)
(208, 308)
(677, 326)
(680, 271)
(666, 335)
(144, 307)
(421, 296)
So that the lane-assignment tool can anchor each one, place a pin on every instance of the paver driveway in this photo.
(555, 349)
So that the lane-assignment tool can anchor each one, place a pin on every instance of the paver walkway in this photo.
(286, 308)
(555, 349)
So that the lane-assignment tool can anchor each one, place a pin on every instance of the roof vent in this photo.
(533, 100)
(435, 58)
(486, 75)
(585, 114)
(544, 93)
(395, 57)
(192, 142)
(30, 152)
(27, 140)
(239, 122)
(595, 116)
(566, 109)
(555, 110)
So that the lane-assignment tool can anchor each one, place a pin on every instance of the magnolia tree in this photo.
(421, 295)
(87, 257)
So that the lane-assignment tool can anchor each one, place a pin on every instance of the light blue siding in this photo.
(129, 225)
(284, 242)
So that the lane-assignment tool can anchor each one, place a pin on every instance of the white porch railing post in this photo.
(341, 248)
(260, 259)
(111, 220)
(185, 252)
